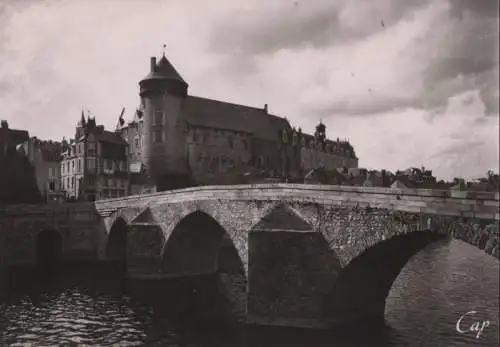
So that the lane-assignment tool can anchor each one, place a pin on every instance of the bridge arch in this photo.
(116, 245)
(200, 248)
(198, 244)
(49, 250)
(482, 234)
(362, 286)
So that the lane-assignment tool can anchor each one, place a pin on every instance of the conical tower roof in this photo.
(163, 76)
(165, 70)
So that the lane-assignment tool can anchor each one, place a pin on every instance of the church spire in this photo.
(82, 119)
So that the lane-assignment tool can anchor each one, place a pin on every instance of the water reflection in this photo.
(439, 285)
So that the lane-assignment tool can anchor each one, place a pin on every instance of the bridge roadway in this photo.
(285, 254)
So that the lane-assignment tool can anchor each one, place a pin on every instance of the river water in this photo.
(438, 286)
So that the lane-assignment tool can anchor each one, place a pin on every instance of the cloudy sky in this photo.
(409, 83)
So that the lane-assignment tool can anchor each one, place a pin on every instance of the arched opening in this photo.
(360, 291)
(213, 280)
(49, 252)
(116, 247)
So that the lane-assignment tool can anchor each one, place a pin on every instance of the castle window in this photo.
(91, 164)
(158, 118)
(157, 136)
(52, 186)
(231, 144)
(91, 149)
(284, 136)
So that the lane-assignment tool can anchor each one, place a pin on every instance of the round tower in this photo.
(162, 93)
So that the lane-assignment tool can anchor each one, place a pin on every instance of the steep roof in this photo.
(13, 137)
(165, 70)
(110, 137)
(223, 115)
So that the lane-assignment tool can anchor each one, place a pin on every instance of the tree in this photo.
(17, 180)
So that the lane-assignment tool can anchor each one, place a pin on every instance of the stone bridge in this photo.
(295, 254)
(299, 255)
(75, 231)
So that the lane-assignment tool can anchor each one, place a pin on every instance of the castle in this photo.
(176, 139)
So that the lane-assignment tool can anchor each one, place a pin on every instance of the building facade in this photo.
(45, 157)
(94, 164)
(176, 139)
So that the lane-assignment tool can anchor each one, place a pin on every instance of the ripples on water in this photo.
(74, 317)
(439, 284)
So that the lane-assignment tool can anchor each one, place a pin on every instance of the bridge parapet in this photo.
(58, 209)
(482, 205)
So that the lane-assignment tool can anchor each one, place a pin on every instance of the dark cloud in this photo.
(459, 147)
(489, 96)
(450, 68)
(469, 61)
(487, 8)
(368, 107)
(271, 33)
(470, 51)
(315, 23)
(470, 54)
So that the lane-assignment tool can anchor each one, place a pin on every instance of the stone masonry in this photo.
(304, 255)
(304, 247)
(79, 226)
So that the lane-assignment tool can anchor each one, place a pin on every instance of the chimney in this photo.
(153, 64)
(265, 108)
(5, 125)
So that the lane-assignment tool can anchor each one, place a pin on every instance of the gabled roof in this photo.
(223, 115)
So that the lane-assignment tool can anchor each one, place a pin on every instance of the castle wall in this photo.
(313, 158)
(267, 155)
(215, 152)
